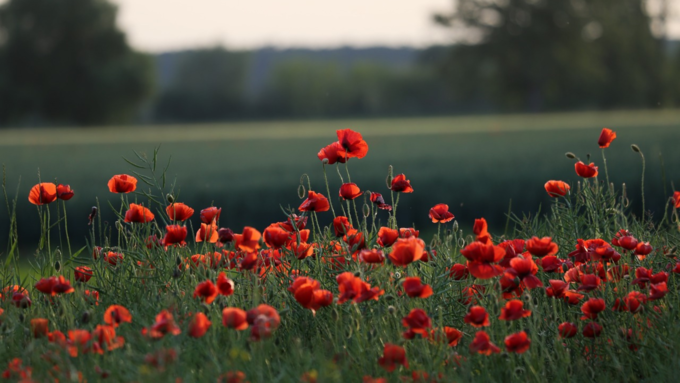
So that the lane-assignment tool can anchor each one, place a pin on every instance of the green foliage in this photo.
(66, 62)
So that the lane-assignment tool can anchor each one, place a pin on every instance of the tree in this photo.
(66, 62)
(532, 55)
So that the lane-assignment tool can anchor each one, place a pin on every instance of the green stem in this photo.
(328, 190)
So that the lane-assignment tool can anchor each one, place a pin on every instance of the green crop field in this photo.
(474, 164)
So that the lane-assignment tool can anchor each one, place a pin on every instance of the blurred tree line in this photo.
(67, 63)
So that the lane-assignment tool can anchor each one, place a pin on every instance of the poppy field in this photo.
(341, 287)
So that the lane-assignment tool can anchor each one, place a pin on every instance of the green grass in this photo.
(474, 164)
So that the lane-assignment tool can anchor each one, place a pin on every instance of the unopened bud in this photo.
(391, 309)
(119, 225)
(176, 273)
(455, 226)
(170, 198)
(92, 215)
(570, 155)
(57, 266)
(635, 148)
(324, 161)
(397, 275)
(178, 261)
(390, 175)
(367, 211)
(357, 274)
(85, 317)
(301, 191)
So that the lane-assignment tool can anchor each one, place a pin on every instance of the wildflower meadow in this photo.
(340, 289)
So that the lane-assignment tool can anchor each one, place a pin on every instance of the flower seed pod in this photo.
(301, 191)
(390, 175)
(635, 148)
(570, 155)
(455, 226)
(57, 266)
(366, 211)
(170, 198)
(391, 309)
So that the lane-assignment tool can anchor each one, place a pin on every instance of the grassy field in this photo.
(474, 164)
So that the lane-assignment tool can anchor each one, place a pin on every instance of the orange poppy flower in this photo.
(378, 199)
(276, 236)
(417, 322)
(387, 236)
(179, 211)
(199, 325)
(341, 226)
(106, 336)
(225, 285)
(235, 318)
(39, 327)
(308, 293)
(401, 184)
(481, 258)
(354, 289)
(606, 138)
(174, 234)
(139, 214)
(482, 344)
(518, 342)
(210, 214)
(207, 232)
(54, 286)
(64, 192)
(371, 256)
(393, 355)
(352, 144)
(355, 240)
(113, 258)
(165, 324)
(557, 188)
(407, 250)
(477, 317)
(207, 291)
(43, 193)
(415, 288)
(586, 171)
(249, 240)
(83, 274)
(315, 202)
(567, 330)
(514, 310)
(349, 191)
(440, 213)
(408, 232)
(117, 314)
(122, 183)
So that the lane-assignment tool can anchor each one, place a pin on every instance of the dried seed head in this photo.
(170, 198)
(301, 191)
(570, 155)
(635, 148)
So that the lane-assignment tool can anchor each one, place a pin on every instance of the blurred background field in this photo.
(476, 165)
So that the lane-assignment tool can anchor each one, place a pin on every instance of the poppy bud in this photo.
(388, 180)
(176, 273)
(119, 225)
(301, 191)
(21, 317)
(389, 297)
(397, 275)
(357, 274)
(455, 226)
(92, 215)
(570, 155)
(325, 161)
(85, 317)
(178, 261)
(635, 148)
(367, 211)
(391, 309)
(170, 198)
(57, 266)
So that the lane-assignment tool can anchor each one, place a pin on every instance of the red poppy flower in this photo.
(606, 138)
(526, 271)
(83, 274)
(557, 188)
(514, 310)
(105, 337)
(354, 289)
(657, 291)
(440, 213)
(586, 171)
(387, 236)
(642, 250)
(309, 294)
(54, 286)
(249, 240)
(17, 371)
(207, 232)
(165, 324)
(407, 250)
(64, 192)
(589, 282)
(332, 153)
(234, 318)
(179, 211)
(453, 336)
(378, 199)
(480, 227)
(315, 202)
(458, 272)
(417, 322)
(122, 183)
(161, 358)
(592, 330)
(232, 377)
(276, 237)
(341, 226)
(226, 235)
(567, 330)
(592, 307)
(481, 258)
(676, 199)
(517, 342)
(210, 214)
(392, 356)
(264, 319)
(116, 314)
(39, 327)
(43, 193)
(174, 234)
(415, 288)
(139, 214)
(352, 143)
(625, 239)
(551, 264)
(207, 291)
(199, 325)
(371, 256)
(482, 344)
(541, 247)
(401, 184)
(349, 191)
(225, 286)
(477, 317)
